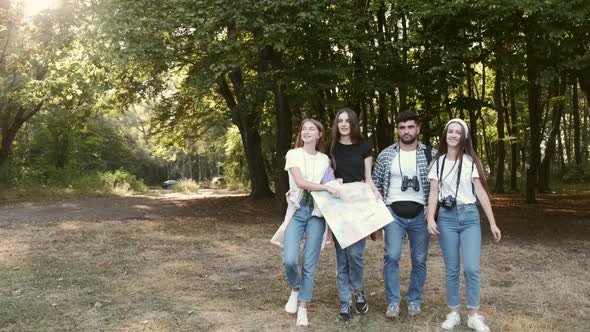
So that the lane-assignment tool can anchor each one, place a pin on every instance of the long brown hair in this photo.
(355, 131)
(465, 148)
(320, 146)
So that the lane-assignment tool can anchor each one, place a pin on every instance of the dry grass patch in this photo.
(216, 270)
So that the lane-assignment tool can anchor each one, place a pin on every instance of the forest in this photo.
(100, 91)
(102, 102)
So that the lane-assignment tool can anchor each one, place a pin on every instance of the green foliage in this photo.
(53, 151)
(577, 173)
(138, 85)
(69, 183)
(121, 180)
(234, 166)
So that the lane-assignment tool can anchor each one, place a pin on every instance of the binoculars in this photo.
(413, 183)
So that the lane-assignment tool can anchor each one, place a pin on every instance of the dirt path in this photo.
(154, 206)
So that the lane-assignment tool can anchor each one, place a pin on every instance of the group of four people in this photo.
(416, 183)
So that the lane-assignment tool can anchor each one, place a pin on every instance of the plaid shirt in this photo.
(382, 170)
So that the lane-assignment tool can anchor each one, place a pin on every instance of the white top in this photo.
(312, 167)
(409, 168)
(465, 194)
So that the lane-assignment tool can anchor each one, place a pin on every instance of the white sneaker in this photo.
(453, 319)
(476, 322)
(302, 317)
(291, 306)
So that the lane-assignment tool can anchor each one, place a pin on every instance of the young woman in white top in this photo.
(457, 180)
(308, 169)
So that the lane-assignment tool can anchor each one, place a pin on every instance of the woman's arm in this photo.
(432, 206)
(369, 178)
(484, 199)
(308, 185)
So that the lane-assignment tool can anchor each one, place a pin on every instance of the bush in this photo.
(122, 181)
(235, 166)
(186, 186)
(577, 173)
(237, 185)
(91, 184)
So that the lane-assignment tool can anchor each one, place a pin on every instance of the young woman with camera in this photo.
(309, 168)
(457, 180)
(351, 157)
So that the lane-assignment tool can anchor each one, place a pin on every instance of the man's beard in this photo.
(410, 140)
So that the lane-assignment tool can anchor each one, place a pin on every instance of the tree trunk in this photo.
(500, 151)
(584, 78)
(486, 144)
(364, 115)
(576, 114)
(586, 134)
(320, 107)
(62, 146)
(282, 145)
(560, 151)
(544, 179)
(9, 130)
(371, 134)
(566, 138)
(247, 120)
(513, 136)
(403, 87)
(534, 94)
(472, 112)
(447, 102)
(384, 127)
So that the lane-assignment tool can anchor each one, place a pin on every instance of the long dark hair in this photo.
(465, 148)
(355, 130)
(320, 146)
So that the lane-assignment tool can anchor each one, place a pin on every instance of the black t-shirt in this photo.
(350, 161)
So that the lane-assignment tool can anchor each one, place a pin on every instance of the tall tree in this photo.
(29, 58)
(533, 65)
(577, 129)
(500, 150)
(558, 104)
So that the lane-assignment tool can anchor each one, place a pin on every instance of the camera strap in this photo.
(440, 177)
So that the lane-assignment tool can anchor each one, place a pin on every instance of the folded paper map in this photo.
(353, 216)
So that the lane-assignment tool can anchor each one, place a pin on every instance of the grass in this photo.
(36, 193)
(216, 270)
(186, 186)
(67, 185)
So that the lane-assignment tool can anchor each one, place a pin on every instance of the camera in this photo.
(407, 183)
(448, 202)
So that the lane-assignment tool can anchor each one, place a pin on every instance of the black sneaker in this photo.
(361, 306)
(345, 312)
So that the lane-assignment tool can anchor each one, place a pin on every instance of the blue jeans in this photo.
(313, 227)
(393, 237)
(350, 266)
(460, 230)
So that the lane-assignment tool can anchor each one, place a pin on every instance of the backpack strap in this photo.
(428, 154)
(439, 179)
(472, 185)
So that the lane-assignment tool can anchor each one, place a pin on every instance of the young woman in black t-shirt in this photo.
(351, 159)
